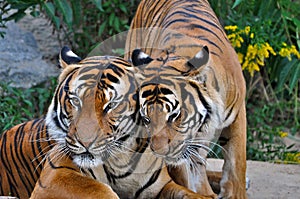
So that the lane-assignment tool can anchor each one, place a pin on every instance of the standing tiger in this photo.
(89, 145)
(191, 91)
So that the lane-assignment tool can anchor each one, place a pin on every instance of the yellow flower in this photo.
(252, 35)
(283, 134)
(241, 57)
(288, 51)
(284, 44)
(235, 39)
(232, 28)
(247, 30)
(292, 158)
(256, 55)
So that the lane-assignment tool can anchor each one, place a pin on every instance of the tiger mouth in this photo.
(89, 160)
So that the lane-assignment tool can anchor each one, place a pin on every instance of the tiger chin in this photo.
(191, 92)
(100, 151)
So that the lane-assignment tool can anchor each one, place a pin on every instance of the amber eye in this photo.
(75, 101)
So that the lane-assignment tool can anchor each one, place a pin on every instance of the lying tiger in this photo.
(89, 145)
(191, 91)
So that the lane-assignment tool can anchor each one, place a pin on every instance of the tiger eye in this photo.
(146, 120)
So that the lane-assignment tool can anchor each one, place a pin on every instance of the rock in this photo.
(21, 63)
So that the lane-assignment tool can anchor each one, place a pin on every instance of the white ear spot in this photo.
(199, 55)
(143, 55)
(71, 54)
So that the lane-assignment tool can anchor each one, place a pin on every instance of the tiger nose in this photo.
(159, 144)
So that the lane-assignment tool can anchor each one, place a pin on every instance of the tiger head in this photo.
(174, 103)
(93, 108)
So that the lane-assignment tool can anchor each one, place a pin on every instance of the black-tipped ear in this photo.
(139, 58)
(66, 57)
(200, 59)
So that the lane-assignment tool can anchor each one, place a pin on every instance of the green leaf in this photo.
(111, 19)
(17, 15)
(123, 8)
(66, 10)
(117, 24)
(286, 15)
(236, 3)
(50, 10)
(290, 72)
(98, 4)
(77, 12)
(35, 13)
(102, 28)
(285, 70)
(296, 22)
(295, 75)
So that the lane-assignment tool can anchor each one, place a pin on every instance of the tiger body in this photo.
(89, 144)
(191, 91)
(22, 149)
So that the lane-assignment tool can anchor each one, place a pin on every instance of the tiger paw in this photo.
(232, 190)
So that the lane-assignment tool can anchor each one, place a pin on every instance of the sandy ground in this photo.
(268, 180)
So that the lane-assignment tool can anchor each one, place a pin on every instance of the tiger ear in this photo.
(139, 58)
(67, 57)
(200, 59)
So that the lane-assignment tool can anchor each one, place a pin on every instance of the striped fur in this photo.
(191, 92)
(89, 145)
(101, 152)
(22, 149)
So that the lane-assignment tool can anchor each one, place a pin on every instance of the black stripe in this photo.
(151, 181)
(59, 167)
(112, 78)
(119, 71)
(202, 99)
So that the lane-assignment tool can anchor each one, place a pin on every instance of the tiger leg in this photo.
(214, 178)
(66, 182)
(233, 183)
(196, 181)
(175, 191)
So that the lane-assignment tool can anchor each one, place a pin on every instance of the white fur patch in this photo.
(71, 54)
(199, 55)
(143, 55)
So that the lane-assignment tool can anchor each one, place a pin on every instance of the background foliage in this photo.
(265, 35)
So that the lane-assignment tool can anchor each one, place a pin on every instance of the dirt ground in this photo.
(269, 180)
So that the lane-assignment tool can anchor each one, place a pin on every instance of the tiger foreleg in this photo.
(64, 181)
(196, 181)
(175, 191)
(233, 183)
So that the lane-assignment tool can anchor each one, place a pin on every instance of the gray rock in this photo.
(21, 63)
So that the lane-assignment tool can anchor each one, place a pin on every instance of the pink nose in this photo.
(159, 145)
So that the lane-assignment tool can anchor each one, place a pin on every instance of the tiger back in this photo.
(191, 91)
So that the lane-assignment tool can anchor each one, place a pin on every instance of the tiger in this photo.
(191, 92)
(89, 144)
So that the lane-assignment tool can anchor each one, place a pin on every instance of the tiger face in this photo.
(93, 109)
(175, 118)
